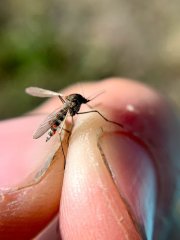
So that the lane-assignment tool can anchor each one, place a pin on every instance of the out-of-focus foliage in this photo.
(54, 43)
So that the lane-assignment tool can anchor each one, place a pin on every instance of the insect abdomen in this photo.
(62, 114)
(52, 130)
(60, 117)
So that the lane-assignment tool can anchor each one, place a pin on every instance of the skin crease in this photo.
(92, 201)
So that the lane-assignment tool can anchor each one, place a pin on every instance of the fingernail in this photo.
(132, 170)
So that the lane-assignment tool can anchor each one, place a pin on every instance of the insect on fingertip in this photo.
(71, 106)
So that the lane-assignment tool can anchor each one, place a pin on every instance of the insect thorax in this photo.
(73, 102)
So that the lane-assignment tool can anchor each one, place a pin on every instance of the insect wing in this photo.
(40, 92)
(46, 124)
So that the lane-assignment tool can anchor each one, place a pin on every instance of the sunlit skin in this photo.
(118, 183)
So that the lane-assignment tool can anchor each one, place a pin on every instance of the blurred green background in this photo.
(54, 43)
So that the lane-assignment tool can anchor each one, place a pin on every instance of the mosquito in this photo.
(56, 120)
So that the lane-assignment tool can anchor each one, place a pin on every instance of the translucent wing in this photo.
(46, 124)
(40, 92)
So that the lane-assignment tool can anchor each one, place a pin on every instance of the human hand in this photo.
(118, 183)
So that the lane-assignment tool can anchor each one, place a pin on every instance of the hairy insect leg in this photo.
(107, 120)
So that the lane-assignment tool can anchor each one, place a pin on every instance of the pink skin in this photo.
(125, 203)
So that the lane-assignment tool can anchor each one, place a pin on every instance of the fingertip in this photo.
(31, 177)
(89, 196)
(147, 117)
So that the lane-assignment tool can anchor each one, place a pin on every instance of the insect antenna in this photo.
(96, 111)
(95, 96)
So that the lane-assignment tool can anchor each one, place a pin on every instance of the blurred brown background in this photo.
(52, 44)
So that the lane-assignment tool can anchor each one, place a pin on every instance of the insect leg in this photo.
(62, 100)
(107, 120)
(66, 130)
(61, 128)
(62, 150)
(69, 131)
(72, 125)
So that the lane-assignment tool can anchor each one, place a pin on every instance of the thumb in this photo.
(112, 174)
